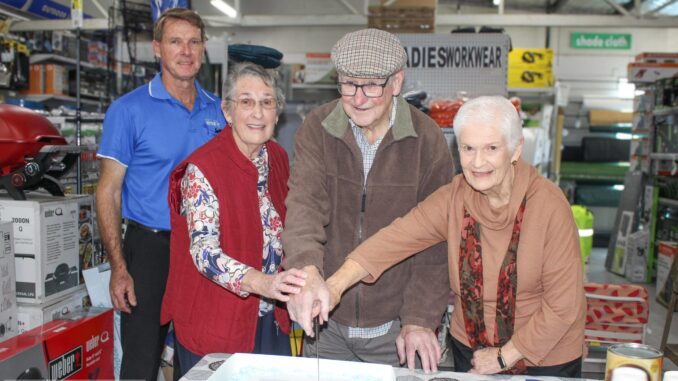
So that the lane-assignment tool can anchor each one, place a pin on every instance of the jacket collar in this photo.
(336, 123)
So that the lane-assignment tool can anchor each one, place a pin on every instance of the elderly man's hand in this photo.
(121, 288)
(414, 339)
(313, 300)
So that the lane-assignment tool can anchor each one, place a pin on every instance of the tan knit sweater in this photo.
(550, 305)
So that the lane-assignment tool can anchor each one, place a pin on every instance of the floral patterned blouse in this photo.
(201, 208)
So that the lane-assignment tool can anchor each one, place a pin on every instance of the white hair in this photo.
(494, 110)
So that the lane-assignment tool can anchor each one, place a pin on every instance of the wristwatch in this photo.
(500, 359)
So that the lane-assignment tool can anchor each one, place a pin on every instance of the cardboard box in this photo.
(529, 77)
(402, 19)
(608, 117)
(8, 306)
(650, 72)
(30, 316)
(666, 253)
(410, 3)
(25, 362)
(56, 79)
(45, 244)
(520, 57)
(79, 347)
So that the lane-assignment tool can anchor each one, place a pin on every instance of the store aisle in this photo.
(596, 273)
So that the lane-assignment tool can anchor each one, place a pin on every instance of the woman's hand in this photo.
(274, 286)
(485, 361)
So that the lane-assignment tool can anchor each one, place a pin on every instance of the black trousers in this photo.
(142, 336)
(462, 363)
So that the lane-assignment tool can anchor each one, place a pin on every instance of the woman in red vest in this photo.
(227, 208)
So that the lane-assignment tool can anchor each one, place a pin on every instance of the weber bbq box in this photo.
(29, 316)
(8, 306)
(46, 245)
(78, 347)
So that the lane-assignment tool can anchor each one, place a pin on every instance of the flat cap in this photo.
(368, 53)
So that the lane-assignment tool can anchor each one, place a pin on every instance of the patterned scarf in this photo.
(471, 279)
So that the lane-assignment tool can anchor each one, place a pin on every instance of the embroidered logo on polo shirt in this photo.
(214, 125)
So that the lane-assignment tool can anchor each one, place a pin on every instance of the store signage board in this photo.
(603, 41)
(444, 65)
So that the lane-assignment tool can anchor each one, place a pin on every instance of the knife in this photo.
(316, 326)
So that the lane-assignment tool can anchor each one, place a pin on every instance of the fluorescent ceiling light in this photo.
(225, 8)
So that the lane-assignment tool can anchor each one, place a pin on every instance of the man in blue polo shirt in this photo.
(147, 132)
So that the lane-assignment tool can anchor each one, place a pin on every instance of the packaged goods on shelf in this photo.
(599, 117)
(78, 347)
(47, 79)
(30, 316)
(640, 72)
(527, 57)
(46, 245)
(666, 254)
(402, 19)
(319, 69)
(530, 77)
(637, 257)
(8, 306)
(650, 57)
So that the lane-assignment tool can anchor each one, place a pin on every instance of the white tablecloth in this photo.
(211, 362)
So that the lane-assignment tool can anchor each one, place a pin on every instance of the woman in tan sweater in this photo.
(513, 257)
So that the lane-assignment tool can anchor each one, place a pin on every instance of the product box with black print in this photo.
(46, 245)
(8, 306)
(29, 316)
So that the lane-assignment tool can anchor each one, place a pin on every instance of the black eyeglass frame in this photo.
(355, 87)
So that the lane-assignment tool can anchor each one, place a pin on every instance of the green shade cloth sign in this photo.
(621, 41)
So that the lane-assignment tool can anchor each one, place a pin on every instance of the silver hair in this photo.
(495, 110)
(244, 69)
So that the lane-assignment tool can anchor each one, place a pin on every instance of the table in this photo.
(211, 362)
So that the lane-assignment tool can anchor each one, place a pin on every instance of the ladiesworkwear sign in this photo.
(446, 64)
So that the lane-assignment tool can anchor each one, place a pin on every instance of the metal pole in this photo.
(78, 117)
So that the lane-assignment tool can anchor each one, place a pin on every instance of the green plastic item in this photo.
(583, 218)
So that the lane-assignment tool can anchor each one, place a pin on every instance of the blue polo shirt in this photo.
(150, 132)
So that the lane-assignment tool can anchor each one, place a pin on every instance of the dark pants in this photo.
(142, 336)
(463, 355)
(269, 340)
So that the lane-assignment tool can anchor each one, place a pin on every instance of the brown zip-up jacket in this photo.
(329, 213)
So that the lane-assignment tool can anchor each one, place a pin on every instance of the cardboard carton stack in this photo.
(8, 306)
(52, 244)
(403, 16)
(649, 67)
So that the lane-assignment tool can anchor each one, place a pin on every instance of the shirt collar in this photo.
(157, 90)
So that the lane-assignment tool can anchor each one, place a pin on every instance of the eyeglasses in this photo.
(248, 104)
(370, 90)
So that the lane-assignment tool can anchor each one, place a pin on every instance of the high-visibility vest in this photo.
(584, 220)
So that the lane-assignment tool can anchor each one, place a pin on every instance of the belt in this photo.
(164, 233)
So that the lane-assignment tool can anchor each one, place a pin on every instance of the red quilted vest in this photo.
(208, 318)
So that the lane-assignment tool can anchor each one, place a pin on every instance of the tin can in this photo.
(635, 355)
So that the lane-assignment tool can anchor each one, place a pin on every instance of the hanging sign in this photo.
(618, 41)
(445, 64)
(76, 13)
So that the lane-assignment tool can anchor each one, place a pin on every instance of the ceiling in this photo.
(254, 13)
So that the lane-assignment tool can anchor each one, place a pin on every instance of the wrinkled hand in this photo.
(414, 339)
(313, 300)
(484, 361)
(280, 285)
(121, 289)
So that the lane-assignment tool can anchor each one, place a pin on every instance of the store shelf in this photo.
(55, 58)
(668, 202)
(664, 156)
(532, 90)
(665, 111)
(612, 172)
(60, 98)
(314, 86)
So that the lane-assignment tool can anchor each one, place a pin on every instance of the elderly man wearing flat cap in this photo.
(360, 162)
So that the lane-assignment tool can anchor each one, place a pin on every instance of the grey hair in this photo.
(245, 69)
(495, 110)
